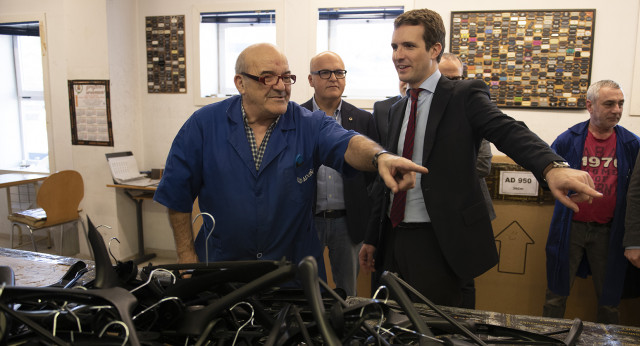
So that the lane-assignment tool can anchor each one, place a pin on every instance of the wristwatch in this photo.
(560, 164)
(374, 161)
(552, 165)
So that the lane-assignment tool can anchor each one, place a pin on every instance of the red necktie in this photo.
(400, 198)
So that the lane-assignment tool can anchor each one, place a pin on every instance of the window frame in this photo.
(277, 6)
(40, 18)
(373, 50)
(364, 103)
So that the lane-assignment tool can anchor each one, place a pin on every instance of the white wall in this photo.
(105, 39)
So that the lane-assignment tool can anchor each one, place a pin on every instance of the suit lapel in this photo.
(439, 102)
(347, 120)
(395, 123)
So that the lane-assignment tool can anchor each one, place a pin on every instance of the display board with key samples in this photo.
(529, 59)
(166, 63)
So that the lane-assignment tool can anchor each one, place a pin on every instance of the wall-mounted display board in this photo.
(166, 63)
(529, 59)
(90, 111)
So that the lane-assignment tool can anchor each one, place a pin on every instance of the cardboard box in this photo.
(517, 284)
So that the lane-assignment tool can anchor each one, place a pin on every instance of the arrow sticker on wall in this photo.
(512, 247)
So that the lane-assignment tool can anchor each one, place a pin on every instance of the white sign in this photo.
(519, 183)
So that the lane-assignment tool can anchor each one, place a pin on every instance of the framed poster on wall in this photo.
(529, 59)
(90, 111)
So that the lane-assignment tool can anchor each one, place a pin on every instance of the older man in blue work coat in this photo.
(252, 159)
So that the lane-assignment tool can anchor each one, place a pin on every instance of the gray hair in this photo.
(594, 89)
(451, 56)
(241, 65)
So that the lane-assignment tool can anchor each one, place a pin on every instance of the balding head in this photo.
(451, 66)
(327, 91)
(258, 51)
(325, 56)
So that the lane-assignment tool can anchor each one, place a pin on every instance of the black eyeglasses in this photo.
(272, 79)
(455, 77)
(326, 74)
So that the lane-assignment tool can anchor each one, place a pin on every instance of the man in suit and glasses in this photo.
(342, 206)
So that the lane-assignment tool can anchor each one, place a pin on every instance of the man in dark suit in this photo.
(438, 236)
(452, 67)
(343, 206)
(381, 113)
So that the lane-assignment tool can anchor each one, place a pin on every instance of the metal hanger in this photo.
(151, 277)
(55, 318)
(206, 240)
(120, 323)
(250, 320)
(154, 305)
(109, 248)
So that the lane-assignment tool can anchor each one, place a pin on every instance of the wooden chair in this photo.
(58, 199)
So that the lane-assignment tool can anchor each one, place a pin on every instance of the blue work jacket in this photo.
(259, 214)
(570, 145)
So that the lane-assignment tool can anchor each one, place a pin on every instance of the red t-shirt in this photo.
(599, 160)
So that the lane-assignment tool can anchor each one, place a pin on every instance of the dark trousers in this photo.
(469, 295)
(412, 251)
(590, 240)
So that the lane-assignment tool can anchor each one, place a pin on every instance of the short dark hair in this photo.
(434, 31)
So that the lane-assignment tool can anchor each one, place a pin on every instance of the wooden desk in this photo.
(8, 180)
(14, 179)
(138, 194)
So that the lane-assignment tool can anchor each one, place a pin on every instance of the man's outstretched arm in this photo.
(398, 173)
(563, 180)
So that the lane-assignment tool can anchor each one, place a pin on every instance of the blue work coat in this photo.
(259, 214)
(570, 145)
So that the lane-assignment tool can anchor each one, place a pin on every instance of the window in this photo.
(223, 36)
(362, 37)
(24, 124)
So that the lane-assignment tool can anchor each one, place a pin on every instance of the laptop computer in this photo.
(124, 170)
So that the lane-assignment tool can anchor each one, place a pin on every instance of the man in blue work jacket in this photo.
(589, 241)
(252, 159)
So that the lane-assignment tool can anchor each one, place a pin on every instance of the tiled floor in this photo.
(41, 243)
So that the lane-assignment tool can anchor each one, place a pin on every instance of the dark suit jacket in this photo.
(381, 116)
(461, 114)
(357, 202)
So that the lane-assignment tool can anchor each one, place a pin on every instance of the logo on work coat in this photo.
(306, 177)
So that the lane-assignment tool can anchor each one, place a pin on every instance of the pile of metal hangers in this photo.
(231, 303)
